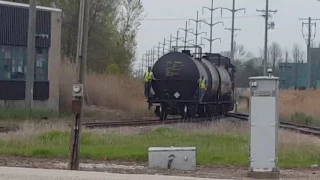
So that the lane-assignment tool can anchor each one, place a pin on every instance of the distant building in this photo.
(13, 55)
(294, 75)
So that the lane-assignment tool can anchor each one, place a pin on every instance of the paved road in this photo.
(14, 173)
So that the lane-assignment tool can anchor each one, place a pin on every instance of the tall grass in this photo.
(297, 106)
(109, 94)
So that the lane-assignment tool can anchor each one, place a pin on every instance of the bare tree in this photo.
(297, 53)
(275, 53)
(240, 53)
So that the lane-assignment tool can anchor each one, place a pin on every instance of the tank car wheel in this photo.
(210, 111)
(192, 111)
(163, 116)
(185, 113)
(162, 113)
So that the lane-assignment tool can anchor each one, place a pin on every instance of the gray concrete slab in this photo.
(14, 173)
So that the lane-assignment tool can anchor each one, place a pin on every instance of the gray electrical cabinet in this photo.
(182, 158)
(264, 123)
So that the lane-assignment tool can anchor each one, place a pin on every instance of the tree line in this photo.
(112, 36)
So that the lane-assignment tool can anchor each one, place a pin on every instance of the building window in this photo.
(13, 63)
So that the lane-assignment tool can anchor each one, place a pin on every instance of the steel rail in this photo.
(303, 129)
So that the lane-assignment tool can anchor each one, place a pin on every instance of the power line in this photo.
(208, 18)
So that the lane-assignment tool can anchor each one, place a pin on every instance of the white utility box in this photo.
(264, 123)
(182, 158)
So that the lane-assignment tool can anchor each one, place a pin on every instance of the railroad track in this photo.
(303, 129)
(146, 122)
(153, 121)
(6, 129)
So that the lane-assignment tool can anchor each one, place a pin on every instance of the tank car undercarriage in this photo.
(192, 109)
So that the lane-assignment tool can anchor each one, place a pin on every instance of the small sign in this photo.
(264, 93)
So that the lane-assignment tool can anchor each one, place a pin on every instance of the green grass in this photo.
(213, 149)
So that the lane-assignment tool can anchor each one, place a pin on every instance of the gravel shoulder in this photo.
(142, 168)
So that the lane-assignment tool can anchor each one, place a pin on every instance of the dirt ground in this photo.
(142, 168)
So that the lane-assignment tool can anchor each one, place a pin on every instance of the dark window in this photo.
(13, 63)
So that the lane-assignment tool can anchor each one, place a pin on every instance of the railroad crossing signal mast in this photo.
(233, 10)
(211, 24)
(78, 88)
(308, 41)
(267, 26)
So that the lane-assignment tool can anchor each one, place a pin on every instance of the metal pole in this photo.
(75, 145)
(211, 23)
(31, 55)
(186, 30)
(158, 50)
(177, 40)
(211, 27)
(186, 36)
(266, 40)
(79, 40)
(197, 34)
(196, 43)
(233, 11)
(308, 47)
(232, 31)
(308, 54)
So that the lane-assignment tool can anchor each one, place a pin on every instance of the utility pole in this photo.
(266, 16)
(170, 42)
(177, 39)
(147, 59)
(82, 47)
(233, 11)
(186, 30)
(211, 23)
(142, 64)
(152, 56)
(158, 47)
(234, 42)
(211, 40)
(31, 55)
(308, 40)
(164, 45)
(154, 53)
(197, 21)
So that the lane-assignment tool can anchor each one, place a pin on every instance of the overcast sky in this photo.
(156, 25)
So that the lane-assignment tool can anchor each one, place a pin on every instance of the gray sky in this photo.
(287, 26)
